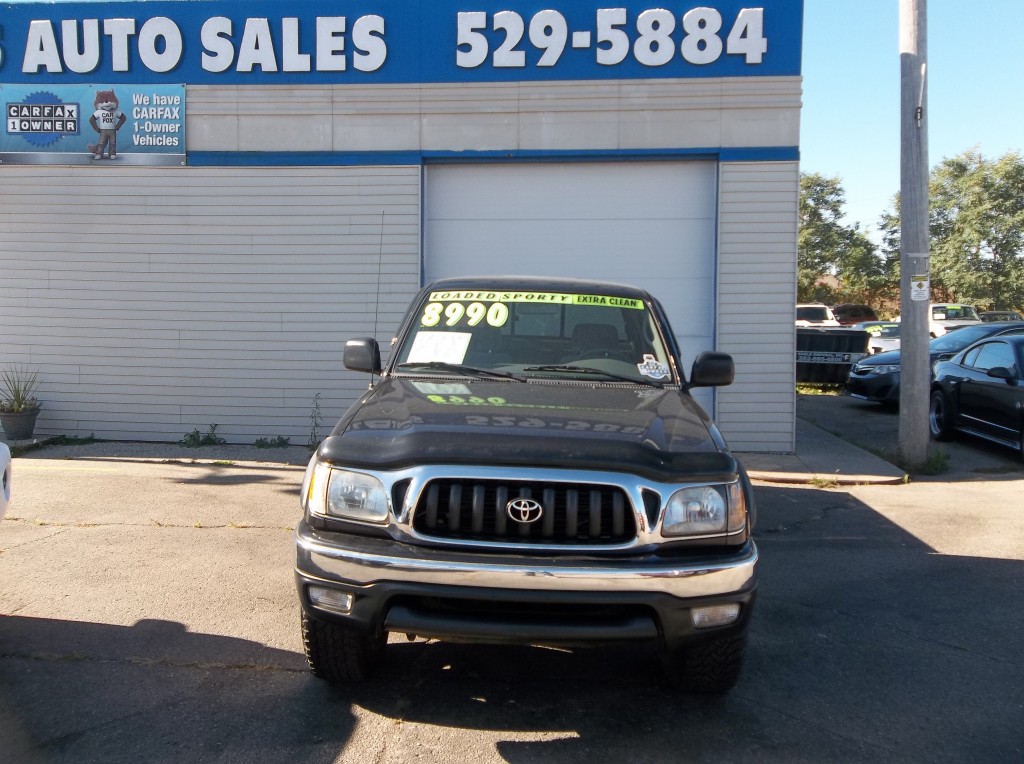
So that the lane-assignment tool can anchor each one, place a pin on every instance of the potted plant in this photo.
(19, 406)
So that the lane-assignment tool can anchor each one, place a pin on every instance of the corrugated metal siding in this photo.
(156, 301)
(758, 204)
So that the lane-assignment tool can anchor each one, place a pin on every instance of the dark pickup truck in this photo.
(529, 467)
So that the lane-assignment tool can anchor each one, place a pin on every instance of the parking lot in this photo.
(148, 613)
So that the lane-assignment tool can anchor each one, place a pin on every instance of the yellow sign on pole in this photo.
(920, 288)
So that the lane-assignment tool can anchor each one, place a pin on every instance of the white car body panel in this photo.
(937, 326)
(5, 478)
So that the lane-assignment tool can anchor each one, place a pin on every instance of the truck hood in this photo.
(660, 433)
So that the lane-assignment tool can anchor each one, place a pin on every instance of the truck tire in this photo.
(708, 667)
(338, 653)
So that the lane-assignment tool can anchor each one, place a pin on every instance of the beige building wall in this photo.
(159, 300)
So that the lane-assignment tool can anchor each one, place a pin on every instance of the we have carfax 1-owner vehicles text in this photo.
(529, 467)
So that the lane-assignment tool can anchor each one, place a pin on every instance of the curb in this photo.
(825, 480)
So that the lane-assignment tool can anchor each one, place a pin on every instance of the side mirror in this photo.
(362, 354)
(712, 370)
(1001, 372)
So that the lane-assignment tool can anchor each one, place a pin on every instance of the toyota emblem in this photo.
(524, 511)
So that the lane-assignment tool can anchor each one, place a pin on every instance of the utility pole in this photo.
(915, 261)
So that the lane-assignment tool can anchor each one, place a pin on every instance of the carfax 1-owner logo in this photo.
(79, 124)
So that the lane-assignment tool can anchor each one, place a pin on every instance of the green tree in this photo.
(828, 247)
(976, 224)
(977, 229)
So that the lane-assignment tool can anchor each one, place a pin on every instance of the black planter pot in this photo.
(20, 425)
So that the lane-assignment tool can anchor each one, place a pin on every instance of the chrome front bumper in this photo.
(366, 562)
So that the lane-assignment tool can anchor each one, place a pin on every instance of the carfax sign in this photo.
(209, 42)
(78, 124)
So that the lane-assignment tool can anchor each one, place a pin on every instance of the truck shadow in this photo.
(865, 644)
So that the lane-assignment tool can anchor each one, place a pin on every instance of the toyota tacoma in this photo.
(528, 467)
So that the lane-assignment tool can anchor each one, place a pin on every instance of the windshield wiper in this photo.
(458, 368)
(569, 368)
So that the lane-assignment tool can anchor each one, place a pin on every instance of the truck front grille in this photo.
(570, 514)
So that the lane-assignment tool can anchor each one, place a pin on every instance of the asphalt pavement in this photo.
(148, 613)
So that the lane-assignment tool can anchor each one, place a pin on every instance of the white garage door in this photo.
(650, 224)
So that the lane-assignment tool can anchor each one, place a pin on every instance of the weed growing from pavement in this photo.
(73, 440)
(935, 463)
(277, 442)
(825, 482)
(196, 439)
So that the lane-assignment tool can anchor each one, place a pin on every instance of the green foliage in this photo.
(74, 440)
(196, 439)
(977, 229)
(277, 442)
(820, 388)
(18, 386)
(827, 247)
(976, 222)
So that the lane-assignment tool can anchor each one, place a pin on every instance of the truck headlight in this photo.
(705, 509)
(345, 494)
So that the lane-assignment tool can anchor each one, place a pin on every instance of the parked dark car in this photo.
(1000, 315)
(849, 314)
(877, 377)
(979, 391)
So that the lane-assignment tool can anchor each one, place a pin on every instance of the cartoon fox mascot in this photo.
(106, 120)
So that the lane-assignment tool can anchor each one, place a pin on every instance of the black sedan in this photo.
(877, 377)
(980, 391)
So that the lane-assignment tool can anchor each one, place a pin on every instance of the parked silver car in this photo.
(882, 335)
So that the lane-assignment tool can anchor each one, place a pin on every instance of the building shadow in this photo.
(866, 645)
(92, 692)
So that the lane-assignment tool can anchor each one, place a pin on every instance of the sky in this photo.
(850, 123)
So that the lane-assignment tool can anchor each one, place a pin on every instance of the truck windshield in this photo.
(536, 334)
(954, 313)
(813, 314)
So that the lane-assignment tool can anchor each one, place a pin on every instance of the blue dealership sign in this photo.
(209, 42)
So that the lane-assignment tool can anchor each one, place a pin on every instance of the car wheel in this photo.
(339, 653)
(711, 666)
(940, 418)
